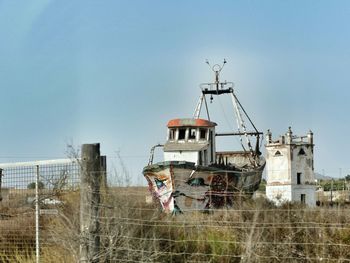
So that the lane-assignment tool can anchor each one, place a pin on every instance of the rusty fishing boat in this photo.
(194, 175)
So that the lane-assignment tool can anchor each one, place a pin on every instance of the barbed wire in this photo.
(132, 228)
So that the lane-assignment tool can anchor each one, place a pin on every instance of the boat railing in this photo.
(150, 162)
(238, 133)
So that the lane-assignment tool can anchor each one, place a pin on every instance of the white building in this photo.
(290, 169)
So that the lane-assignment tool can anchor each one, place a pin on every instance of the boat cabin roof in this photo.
(190, 123)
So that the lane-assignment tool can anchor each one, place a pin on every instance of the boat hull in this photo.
(183, 186)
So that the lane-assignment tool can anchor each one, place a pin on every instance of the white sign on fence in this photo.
(48, 212)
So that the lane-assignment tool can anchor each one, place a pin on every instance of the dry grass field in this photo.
(134, 231)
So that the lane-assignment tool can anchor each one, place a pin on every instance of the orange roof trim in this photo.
(190, 123)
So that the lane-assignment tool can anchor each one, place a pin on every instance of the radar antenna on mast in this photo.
(216, 68)
(219, 88)
(212, 88)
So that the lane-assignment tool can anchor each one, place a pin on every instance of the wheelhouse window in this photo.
(202, 134)
(182, 134)
(172, 134)
(192, 135)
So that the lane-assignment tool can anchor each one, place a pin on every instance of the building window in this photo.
(301, 152)
(278, 153)
(182, 134)
(298, 178)
(303, 198)
(192, 135)
(202, 134)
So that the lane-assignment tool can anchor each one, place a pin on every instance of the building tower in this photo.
(290, 169)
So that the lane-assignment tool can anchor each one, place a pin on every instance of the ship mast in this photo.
(219, 88)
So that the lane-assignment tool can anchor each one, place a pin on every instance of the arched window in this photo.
(278, 153)
(301, 152)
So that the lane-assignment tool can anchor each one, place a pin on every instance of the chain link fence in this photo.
(32, 193)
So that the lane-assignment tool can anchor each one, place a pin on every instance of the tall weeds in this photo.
(134, 231)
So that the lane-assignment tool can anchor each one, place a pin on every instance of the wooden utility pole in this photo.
(90, 181)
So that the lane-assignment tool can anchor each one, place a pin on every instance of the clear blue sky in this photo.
(115, 72)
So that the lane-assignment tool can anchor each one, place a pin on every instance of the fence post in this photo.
(104, 172)
(104, 190)
(0, 184)
(90, 182)
(37, 214)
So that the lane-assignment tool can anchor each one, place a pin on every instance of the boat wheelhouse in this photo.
(190, 140)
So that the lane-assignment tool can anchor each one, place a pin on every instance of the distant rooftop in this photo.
(289, 138)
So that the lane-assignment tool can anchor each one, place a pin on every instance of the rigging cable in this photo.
(240, 123)
(228, 122)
